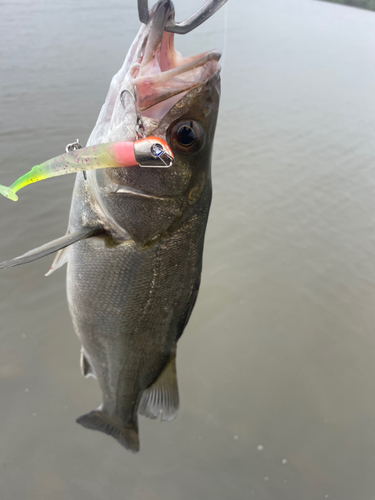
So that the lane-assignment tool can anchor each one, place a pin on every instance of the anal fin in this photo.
(161, 398)
(86, 368)
(51, 247)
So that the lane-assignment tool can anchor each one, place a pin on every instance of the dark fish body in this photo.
(129, 306)
(131, 292)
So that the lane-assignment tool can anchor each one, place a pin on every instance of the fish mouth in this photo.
(160, 74)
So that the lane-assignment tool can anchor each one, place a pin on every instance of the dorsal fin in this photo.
(161, 398)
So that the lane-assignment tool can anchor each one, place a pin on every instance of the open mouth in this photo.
(160, 74)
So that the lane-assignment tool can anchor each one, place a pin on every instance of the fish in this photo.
(135, 237)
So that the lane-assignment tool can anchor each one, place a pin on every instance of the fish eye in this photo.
(186, 137)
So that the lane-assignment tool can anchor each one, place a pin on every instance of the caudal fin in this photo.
(98, 421)
(8, 193)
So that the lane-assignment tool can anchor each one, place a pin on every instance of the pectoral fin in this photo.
(60, 259)
(51, 247)
(161, 398)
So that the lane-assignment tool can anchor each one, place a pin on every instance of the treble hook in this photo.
(140, 126)
(209, 8)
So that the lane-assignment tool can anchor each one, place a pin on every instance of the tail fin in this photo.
(98, 421)
(8, 193)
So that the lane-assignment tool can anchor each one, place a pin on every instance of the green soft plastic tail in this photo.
(8, 193)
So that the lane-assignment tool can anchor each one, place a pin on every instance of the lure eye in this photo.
(186, 137)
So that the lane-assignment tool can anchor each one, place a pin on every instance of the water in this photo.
(277, 366)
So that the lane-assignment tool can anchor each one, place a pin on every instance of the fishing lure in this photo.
(146, 152)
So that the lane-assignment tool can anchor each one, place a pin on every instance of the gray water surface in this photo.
(277, 365)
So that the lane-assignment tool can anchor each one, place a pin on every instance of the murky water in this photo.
(277, 366)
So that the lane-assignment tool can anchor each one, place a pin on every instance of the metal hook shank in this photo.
(208, 9)
(143, 11)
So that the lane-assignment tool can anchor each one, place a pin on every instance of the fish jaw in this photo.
(156, 88)
(160, 72)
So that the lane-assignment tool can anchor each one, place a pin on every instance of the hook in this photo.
(140, 126)
(209, 8)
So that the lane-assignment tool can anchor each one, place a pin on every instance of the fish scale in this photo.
(142, 325)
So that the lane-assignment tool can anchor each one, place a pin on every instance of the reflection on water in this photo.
(277, 366)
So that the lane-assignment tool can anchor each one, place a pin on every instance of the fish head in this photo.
(177, 99)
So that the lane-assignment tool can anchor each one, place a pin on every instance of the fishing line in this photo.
(225, 35)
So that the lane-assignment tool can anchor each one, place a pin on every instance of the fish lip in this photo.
(202, 61)
(199, 60)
